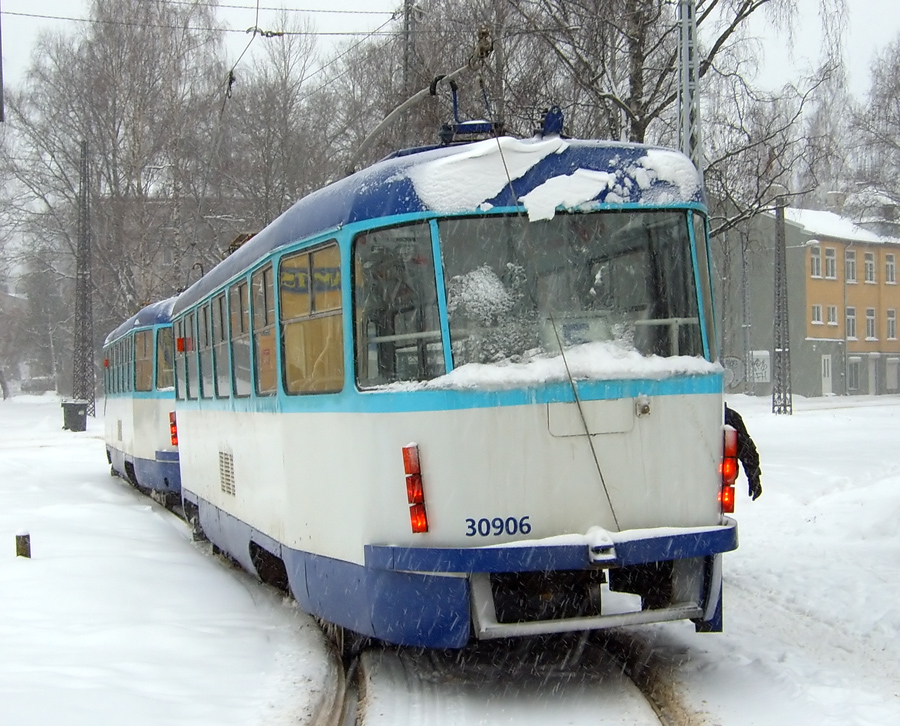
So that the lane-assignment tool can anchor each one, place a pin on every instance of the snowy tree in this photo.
(137, 85)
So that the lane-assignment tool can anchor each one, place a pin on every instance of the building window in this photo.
(870, 324)
(850, 266)
(832, 315)
(816, 314)
(890, 269)
(851, 323)
(830, 263)
(815, 262)
(870, 266)
(853, 374)
(892, 324)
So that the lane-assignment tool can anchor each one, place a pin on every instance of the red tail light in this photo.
(415, 493)
(411, 459)
(726, 499)
(173, 428)
(417, 518)
(728, 469)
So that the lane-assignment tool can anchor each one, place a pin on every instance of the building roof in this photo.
(818, 223)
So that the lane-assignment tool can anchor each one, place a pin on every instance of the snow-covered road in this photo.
(120, 618)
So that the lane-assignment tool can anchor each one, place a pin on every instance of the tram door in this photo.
(826, 375)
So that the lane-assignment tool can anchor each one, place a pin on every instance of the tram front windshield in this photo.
(516, 288)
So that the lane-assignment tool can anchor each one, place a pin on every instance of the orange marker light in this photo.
(173, 428)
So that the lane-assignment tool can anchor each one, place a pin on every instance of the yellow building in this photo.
(852, 295)
(843, 304)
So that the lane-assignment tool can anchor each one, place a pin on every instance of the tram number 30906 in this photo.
(485, 527)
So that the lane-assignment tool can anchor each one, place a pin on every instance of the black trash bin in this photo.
(75, 415)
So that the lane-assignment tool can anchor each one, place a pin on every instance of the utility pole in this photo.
(689, 136)
(83, 353)
(407, 43)
(2, 105)
(782, 399)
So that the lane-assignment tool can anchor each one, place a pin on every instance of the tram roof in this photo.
(157, 313)
(539, 174)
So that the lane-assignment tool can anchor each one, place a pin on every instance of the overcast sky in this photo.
(872, 24)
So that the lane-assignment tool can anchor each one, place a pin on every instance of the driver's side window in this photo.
(397, 326)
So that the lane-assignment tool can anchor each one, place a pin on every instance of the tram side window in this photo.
(190, 354)
(165, 371)
(130, 368)
(397, 326)
(120, 368)
(265, 355)
(240, 339)
(114, 366)
(703, 270)
(220, 346)
(143, 360)
(204, 350)
(309, 285)
(180, 362)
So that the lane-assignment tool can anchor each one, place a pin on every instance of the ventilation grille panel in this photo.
(226, 472)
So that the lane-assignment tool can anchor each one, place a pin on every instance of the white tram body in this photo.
(469, 392)
(139, 402)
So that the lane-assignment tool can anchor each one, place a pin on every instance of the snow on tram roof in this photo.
(541, 174)
(156, 313)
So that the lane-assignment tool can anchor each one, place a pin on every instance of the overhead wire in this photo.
(162, 26)
(279, 9)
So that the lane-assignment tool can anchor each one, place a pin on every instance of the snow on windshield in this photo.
(605, 360)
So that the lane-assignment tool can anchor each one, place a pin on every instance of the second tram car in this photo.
(139, 404)
(469, 392)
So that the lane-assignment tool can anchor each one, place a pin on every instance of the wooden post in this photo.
(23, 545)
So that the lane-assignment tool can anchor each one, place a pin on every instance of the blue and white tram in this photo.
(139, 413)
(469, 392)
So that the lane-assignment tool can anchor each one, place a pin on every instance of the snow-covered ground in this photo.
(812, 610)
(120, 618)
